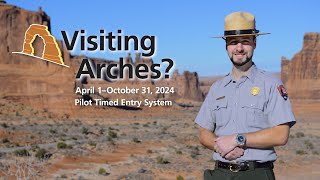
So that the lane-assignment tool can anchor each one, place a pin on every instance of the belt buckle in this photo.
(234, 170)
(241, 166)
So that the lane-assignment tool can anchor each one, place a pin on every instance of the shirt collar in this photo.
(228, 79)
(251, 75)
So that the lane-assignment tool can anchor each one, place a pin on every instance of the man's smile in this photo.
(239, 55)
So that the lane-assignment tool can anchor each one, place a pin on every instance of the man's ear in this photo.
(225, 40)
(255, 42)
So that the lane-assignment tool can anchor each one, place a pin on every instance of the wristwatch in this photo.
(241, 140)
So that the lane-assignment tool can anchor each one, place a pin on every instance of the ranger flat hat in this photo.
(240, 24)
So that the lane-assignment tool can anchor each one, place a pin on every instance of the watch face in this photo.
(241, 139)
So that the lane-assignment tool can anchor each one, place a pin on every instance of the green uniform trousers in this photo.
(252, 174)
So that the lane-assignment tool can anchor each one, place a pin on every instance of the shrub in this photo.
(41, 154)
(112, 134)
(18, 114)
(136, 140)
(299, 134)
(4, 125)
(178, 152)
(34, 147)
(21, 152)
(102, 171)
(111, 140)
(194, 156)
(195, 151)
(101, 131)
(53, 131)
(111, 128)
(62, 145)
(85, 130)
(301, 152)
(291, 136)
(63, 176)
(67, 116)
(5, 140)
(180, 178)
(161, 160)
(308, 144)
(91, 143)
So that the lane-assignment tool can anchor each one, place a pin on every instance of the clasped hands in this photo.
(228, 148)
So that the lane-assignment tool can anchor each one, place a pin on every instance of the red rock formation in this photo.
(186, 85)
(301, 74)
(28, 80)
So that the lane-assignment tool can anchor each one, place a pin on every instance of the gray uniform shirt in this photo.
(248, 105)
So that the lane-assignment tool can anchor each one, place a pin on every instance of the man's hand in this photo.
(234, 154)
(225, 144)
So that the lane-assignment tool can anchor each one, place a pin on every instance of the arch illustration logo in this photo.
(51, 51)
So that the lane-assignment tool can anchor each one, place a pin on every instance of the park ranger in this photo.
(245, 114)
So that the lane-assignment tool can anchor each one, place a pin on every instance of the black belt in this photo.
(243, 166)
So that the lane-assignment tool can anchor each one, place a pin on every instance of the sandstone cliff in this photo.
(24, 79)
(301, 74)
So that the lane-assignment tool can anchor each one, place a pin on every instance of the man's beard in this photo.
(241, 63)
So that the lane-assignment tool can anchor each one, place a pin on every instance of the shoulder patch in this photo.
(283, 92)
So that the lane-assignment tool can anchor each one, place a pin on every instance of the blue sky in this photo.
(183, 28)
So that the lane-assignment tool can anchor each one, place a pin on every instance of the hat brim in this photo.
(259, 34)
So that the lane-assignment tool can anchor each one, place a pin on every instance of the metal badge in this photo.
(255, 91)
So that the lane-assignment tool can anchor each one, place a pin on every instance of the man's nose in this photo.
(239, 46)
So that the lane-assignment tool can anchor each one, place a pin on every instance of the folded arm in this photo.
(266, 138)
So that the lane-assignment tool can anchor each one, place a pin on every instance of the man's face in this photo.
(240, 49)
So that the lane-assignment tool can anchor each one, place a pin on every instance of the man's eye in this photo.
(245, 42)
(233, 42)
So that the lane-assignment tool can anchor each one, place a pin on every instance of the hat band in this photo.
(239, 32)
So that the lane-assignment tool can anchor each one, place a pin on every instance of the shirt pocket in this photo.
(256, 119)
(220, 108)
